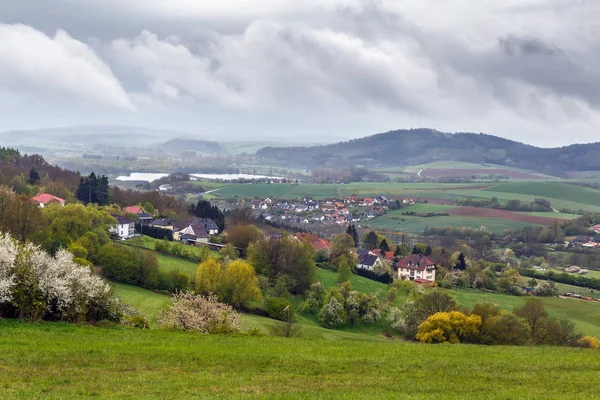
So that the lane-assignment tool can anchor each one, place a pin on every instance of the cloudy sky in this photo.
(305, 70)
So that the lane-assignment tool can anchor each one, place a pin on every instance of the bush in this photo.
(453, 327)
(332, 315)
(203, 314)
(547, 289)
(136, 321)
(588, 342)
(275, 307)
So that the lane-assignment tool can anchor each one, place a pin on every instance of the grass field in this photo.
(552, 215)
(171, 263)
(412, 224)
(60, 361)
(147, 302)
(552, 190)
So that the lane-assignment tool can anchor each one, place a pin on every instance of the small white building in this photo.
(369, 262)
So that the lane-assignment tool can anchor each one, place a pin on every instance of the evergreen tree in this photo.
(34, 176)
(203, 209)
(384, 246)
(93, 189)
(370, 241)
(352, 232)
(462, 263)
(428, 251)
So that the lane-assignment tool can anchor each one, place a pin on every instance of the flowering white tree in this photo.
(36, 285)
(200, 313)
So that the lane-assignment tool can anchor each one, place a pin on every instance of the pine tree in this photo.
(352, 232)
(384, 246)
(34, 176)
(370, 240)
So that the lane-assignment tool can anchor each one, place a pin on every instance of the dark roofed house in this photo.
(145, 217)
(209, 225)
(418, 268)
(368, 262)
(194, 234)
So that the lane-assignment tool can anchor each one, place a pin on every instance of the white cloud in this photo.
(56, 69)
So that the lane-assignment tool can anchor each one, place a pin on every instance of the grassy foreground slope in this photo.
(53, 360)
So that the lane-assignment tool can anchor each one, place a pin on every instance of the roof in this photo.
(367, 259)
(144, 215)
(389, 255)
(208, 223)
(318, 243)
(134, 210)
(46, 198)
(122, 220)
(415, 261)
(161, 222)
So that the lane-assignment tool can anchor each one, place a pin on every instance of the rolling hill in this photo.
(418, 146)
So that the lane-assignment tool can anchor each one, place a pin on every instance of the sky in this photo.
(305, 71)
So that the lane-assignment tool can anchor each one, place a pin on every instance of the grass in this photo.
(554, 190)
(552, 215)
(172, 263)
(144, 301)
(329, 279)
(60, 361)
(395, 221)
(149, 243)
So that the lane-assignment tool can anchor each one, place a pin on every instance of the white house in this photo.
(369, 262)
(125, 227)
(418, 268)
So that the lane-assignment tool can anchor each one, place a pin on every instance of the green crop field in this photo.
(61, 361)
(552, 190)
(552, 215)
(415, 225)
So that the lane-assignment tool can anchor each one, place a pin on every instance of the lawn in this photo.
(552, 215)
(60, 361)
(171, 263)
(146, 302)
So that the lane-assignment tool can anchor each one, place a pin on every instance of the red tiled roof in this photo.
(46, 198)
(389, 255)
(416, 262)
(316, 242)
(134, 209)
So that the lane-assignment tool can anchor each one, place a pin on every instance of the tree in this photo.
(200, 313)
(34, 176)
(242, 235)
(239, 284)
(342, 245)
(354, 233)
(505, 329)
(434, 302)
(208, 277)
(344, 270)
(461, 262)
(332, 315)
(370, 240)
(535, 314)
(287, 326)
(546, 289)
(567, 334)
(452, 327)
(384, 246)
(93, 189)
(203, 209)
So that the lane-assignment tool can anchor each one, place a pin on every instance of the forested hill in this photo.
(418, 146)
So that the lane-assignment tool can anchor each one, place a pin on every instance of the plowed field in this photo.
(503, 214)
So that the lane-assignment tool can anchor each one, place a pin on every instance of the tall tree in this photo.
(384, 245)
(93, 189)
(370, 240)
(203, 209)
(354, 233)
(34, 176)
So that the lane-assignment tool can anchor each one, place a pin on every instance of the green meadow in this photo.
(61, 361)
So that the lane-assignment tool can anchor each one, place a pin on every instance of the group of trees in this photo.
(341, 306)
(203, 209)
(287, 256)
(35, 285)
(138, 267)
(93, 189)
(232, 282)
(529, 324)
(538, 205)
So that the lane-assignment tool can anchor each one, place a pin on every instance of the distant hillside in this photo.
(419, 146)
(202, 146)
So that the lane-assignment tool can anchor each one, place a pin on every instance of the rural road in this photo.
(419, 173)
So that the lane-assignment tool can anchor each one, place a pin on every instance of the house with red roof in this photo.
(134, 210)
(387, 255)
(45, 199)
(418, 268)
(317, 243)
